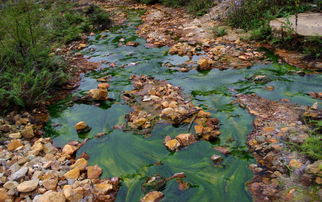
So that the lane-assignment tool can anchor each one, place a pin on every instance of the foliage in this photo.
(250, 14)
(29, 30)
(196, 7)
(255, 15)
(312, 147)
(313, 144)
(219, 31)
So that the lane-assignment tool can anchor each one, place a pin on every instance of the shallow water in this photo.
(134, 157)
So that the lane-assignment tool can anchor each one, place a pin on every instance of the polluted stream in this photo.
(135, 157)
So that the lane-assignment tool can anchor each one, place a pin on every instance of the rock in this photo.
(72, 174)
(103, 188)
(3, 195)
(98, 94)
(5, 128)
(167, 111)
(186, 139)
(103, 86)
(68, 192)
(203, 114)
(15, 135)
(153, 196)
(82, 127)
(69, 149)
(80, 164)
(19, 174)
(315, 168)
(294, 163)
(28, 186)
(223, 150)
(28, 132)
(36, 148)
(132, 43)
(306, 24)
(139, 122)
(14, 144)
(198, 129)
(269, 88)
(50, 184)
(216, 158)
(94, 172)
(10, 185)
(205, 63)
(172, 145)
(50, 196)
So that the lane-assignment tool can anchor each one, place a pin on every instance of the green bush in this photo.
(250, 14)
(196, 7)
(29, 30)
(199, 7)
(219, 31)
(312, 147)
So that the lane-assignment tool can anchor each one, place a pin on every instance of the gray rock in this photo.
(19, 174)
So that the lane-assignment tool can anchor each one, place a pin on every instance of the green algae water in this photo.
(135, 157)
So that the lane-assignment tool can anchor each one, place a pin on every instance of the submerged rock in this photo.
(153, 196)
(216, 158)
(154, 183)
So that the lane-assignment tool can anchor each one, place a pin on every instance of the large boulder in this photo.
(306, 24)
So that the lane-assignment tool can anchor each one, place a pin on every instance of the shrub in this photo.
(196, 7)
(219, 31)
(29, 30)
(199, 7)
(250, 14)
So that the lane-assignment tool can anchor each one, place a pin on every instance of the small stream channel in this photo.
(134, 157)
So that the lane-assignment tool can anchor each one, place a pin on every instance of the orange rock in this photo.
(81, 125)
(72, 174)
(14, 144)
(198, 129)
(268, 129)
(294, 163)
(203, 114)
(103, 86)
(80, 164)
(103, 188)
(94, 172)
(69, 149)
(153, 196)
(186, 139)
(172, 145)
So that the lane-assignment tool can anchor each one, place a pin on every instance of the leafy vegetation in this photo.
(255, 15)
(219, 31)
(313, 144)
(29, 31)
(196, 7)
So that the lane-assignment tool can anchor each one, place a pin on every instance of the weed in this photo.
(219, 31)
(29, 31)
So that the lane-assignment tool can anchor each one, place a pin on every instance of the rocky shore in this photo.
(281, 173)
(33, 169)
